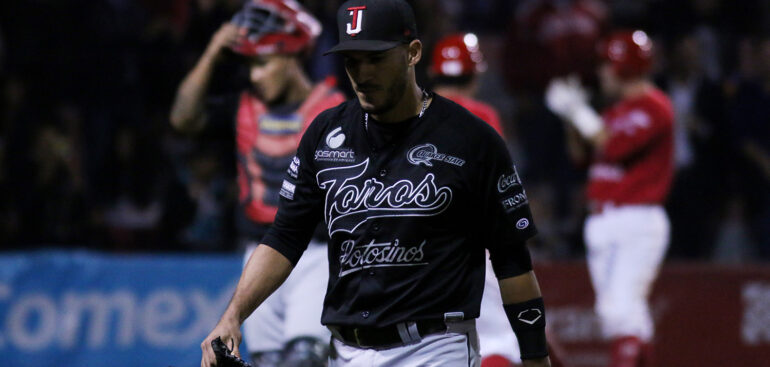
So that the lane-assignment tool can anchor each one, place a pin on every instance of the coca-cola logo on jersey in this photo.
(505, 182)
(351, 200)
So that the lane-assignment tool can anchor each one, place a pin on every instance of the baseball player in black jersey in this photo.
(412, 188)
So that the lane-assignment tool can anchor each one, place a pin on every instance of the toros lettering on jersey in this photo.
(351, 200)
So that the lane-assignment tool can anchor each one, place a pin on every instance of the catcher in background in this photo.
(272, 36)
(630, 173)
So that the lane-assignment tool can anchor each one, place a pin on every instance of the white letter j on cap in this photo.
(357, 12)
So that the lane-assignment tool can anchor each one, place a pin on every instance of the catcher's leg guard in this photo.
(270, 358)
(305, 351)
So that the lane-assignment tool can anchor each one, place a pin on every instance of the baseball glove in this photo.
(224, 357)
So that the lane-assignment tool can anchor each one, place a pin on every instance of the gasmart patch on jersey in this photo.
(425, 153)
(335, 152)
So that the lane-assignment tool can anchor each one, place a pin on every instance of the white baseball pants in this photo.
(458, 346)
(625, 247)
(495, 333)
(294, 309)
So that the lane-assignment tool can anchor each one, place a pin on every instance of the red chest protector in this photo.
(266, 143)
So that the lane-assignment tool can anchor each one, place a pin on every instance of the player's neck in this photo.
(408, 106)
(299, 88)
(635, 88)
(453, 90)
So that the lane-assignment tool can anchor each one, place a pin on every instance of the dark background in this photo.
(89, 160)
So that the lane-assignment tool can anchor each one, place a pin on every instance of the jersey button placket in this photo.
(383, 172)
(365, 314)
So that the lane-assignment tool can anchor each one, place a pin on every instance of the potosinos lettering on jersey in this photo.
(373, 255)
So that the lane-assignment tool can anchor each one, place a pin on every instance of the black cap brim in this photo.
(363, 45)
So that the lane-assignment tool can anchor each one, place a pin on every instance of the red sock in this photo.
(496, 360)
(626, 351)
(648, 355)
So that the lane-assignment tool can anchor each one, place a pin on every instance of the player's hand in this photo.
(226, 36)
(230, 333)
(224, 356)
(567, 98)
(540, 362)
(564, 96)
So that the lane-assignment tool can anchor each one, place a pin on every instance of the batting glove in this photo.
(567, 98)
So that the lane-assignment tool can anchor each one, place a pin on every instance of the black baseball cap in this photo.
(374, 25)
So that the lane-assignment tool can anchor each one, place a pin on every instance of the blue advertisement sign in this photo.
(83, 309)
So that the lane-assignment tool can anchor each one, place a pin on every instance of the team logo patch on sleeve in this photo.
(293, 170)
(522, 223)
(287, 190)
(515, 202)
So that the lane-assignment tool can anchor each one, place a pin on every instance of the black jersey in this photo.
(409, 212)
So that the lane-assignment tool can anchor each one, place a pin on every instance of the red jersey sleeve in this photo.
(633, 127)
(480, 110)
(493, 119)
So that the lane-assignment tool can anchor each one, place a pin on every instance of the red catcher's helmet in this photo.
(457, 55)
(274, 27)
(629, 52)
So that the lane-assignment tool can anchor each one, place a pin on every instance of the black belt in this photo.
(387, 336)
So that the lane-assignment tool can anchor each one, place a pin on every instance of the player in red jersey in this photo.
(456, 63)
(268, 120)
(630, 174)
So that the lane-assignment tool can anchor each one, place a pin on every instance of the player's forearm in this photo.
(576, 148)
(265, 271)
(523, 304)
(187, 109)
(599, 140)
(519, 288)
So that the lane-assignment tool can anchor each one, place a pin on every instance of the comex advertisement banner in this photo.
(91, 310)
(82, 309)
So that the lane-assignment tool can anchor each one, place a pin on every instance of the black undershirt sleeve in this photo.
(300, 207)
(505, 221)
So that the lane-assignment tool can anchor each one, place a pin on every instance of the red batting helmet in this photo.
(457, 55)
(629, 52)
(274, 27)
